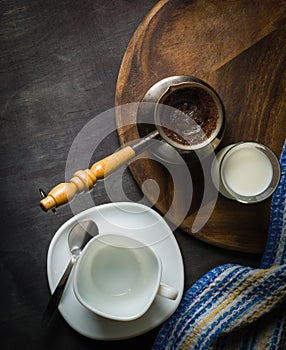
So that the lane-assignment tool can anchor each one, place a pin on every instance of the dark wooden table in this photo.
(59, 66)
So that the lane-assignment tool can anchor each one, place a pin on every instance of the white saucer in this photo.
(134, 220)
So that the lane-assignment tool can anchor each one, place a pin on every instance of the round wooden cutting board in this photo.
(238, 47)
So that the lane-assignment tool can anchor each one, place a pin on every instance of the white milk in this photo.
(247, 171)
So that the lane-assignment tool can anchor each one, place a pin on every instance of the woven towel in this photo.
(234, 306)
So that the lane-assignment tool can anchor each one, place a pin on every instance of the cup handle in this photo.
(167, 291)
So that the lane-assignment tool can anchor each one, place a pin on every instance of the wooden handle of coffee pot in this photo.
(84, 180)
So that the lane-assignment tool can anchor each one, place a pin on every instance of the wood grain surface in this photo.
(238, 47)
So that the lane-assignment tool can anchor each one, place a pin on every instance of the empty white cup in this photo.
(118, 277)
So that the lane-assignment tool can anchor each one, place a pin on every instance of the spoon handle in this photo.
(55, 299)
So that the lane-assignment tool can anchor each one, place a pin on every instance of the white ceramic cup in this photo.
(248, 172)
(118, 277)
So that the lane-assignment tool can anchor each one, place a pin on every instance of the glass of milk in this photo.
(248, 172)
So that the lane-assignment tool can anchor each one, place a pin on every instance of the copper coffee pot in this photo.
(160, 94)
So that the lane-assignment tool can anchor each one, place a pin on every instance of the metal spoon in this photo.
(78, 237)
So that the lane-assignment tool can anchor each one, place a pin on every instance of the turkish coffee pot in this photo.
(183, 112)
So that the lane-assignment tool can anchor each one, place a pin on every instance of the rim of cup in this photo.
(136, 244)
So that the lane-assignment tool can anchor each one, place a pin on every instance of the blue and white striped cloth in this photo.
(233, 306)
